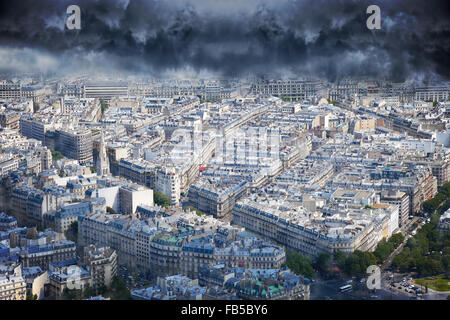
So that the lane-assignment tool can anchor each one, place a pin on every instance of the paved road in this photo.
(397, 288)
(399, 249)
(394, 285)
(329, 290)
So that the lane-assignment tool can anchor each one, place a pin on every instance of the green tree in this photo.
(161, 199)
(103, 105)
(386, 247)
(198, 212)
(426, 252)
(74, 227)
(36, 106)
(72, 294)
(102, 289)
(32, 297)
(110, 210)
(72, 232)
(56, 155)
(397, 239)
(118, 290)
(89, 292)
(323, 262)
(357, 262)
(340, 258)
(429, 206)
(383, 250)
(300, 264)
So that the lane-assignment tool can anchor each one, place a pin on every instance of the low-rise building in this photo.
(176, 287)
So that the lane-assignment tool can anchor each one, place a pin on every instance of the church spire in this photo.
(102, 161)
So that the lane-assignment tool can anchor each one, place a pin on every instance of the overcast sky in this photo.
(229, 37)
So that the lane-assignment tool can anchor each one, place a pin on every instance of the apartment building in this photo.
(165, 252)
(105, 90)
(399, 198)
(149, 244)
(43, 255)
(75, 144)
(7, 222)
(283, 286)
(174, 287)
(216, 196)
(12, 287)
(70, 277)
(29, 205)
(342, 229)
(139, 171)
(118, 232)
(33, 128)
(131, 196)
(8, 165)
(10, 120)
(168, 182)
(433, 93)
(10, 90)
(69, 213)
(102, 264)
(444, 222)
(297, 90)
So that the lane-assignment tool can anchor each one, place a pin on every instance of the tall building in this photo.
(46, 157)
(168, 182)
(398, 198)
(105, 90)
(102, 160)
(10, 120)
(10, 90)
(297, 90)
(32, 128)
(75, 144)
(29, 205)
(133, 195)
(102, 263)
(137, 170)
(433, 93)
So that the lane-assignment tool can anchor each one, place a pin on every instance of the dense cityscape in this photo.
(224, 150)
(218, 189)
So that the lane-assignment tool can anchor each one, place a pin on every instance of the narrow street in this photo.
(387, 263)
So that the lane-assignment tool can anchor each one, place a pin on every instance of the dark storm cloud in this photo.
(230, 37)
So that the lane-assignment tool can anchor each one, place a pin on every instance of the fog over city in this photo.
(327, 39)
